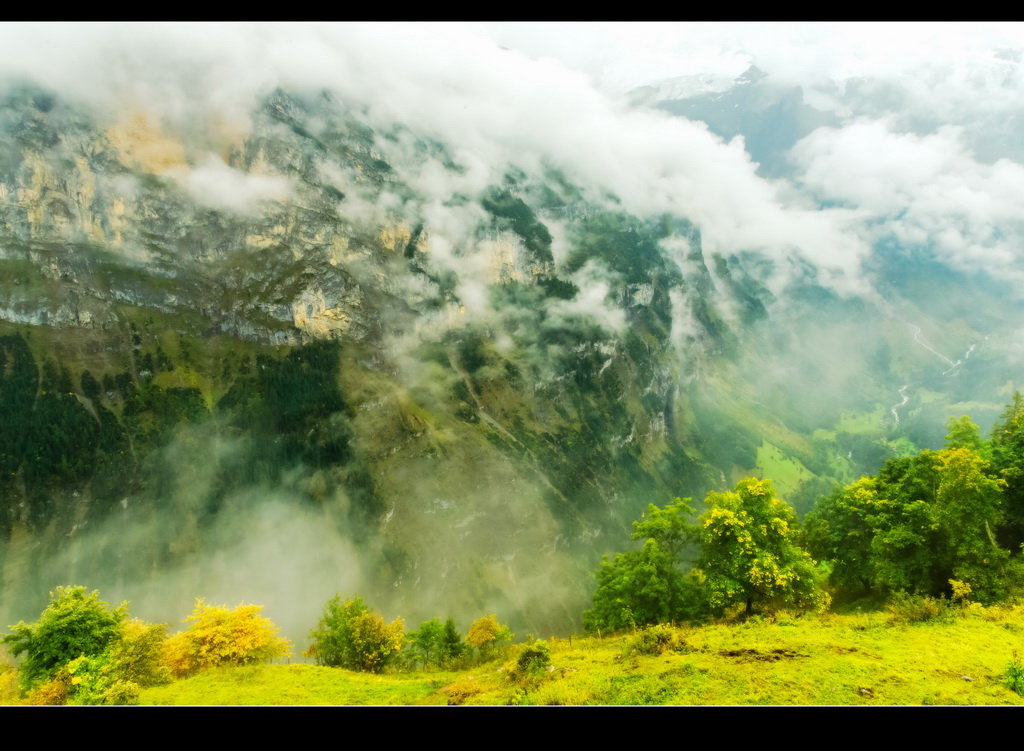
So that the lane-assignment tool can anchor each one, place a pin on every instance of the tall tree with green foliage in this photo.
(963, 433)
(452, 645)
(637, 588)
(749, 551)
(645, 586)
(840, 530)
(969, 510)
(670, 527)
(925, 520)
(1008, 460)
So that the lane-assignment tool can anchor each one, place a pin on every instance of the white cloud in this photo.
(219, 186)
(922, 190)
(592, 303)
(552, 98)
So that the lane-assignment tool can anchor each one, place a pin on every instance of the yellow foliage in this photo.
(54, 693)
(961, 591)
(375, 641)
(219, 636)
(486, 632)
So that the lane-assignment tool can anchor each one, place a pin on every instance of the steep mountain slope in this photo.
(262, 360)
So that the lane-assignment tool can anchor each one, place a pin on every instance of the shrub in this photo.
(351, 636)
(51, 693)
(219, 636)
(136, 656)
(655, 640)
(907, 608)
(8, 681)
(532, 660)
(1014, 678)
(75, 623)
(93, 680)
(90, 681)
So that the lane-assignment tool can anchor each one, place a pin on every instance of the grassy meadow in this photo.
(854, 659)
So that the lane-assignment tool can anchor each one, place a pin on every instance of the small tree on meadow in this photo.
(436, 643)
(452, 646)
(219, 636)
(351, 636)
(486, 635)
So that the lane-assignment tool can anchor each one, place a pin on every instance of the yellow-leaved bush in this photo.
(219, 636)
(486, 633)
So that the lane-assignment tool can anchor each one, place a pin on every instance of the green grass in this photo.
(809, 660)
(863, 422)
(786, 472)
(298, 684)
(903, 446)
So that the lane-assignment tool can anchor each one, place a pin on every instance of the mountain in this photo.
(770, 116)
(261, 359)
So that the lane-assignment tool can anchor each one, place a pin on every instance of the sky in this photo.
(927, 149)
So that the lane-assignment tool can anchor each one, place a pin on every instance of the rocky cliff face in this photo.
(501, 389)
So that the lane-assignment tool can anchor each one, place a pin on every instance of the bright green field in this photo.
(832, 659)
(787, 473)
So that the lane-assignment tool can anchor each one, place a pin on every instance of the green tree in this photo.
(839, 529)
(646, 586)
(1008, 460)
(963, 433)
(907, 541)
(76, 623)
(937, 518)
(669, 526)
(351, 636)
(903, 548)
(436, 643)
(969, 509)
(749, 552)
(638, 588)
(452, 646)
(426, 641)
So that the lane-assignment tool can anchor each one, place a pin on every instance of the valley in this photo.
(287, 313)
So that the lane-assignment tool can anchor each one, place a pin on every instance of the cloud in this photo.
(215, 184)
(551, 97)
(921, 191)
(493, 107)
(591, 304)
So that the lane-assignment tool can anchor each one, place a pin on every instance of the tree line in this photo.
(941, 524)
